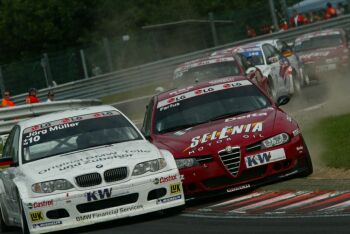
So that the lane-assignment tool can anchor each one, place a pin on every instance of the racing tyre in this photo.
(24, 223)
(271, 89)
(308, 167)
(3, 226)
(297, 84)
(306, 80)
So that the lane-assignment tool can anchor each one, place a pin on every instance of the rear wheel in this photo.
(3, 226)
(306, 79)
(296, 82)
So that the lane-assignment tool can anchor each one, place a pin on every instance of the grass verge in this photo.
(333, 134)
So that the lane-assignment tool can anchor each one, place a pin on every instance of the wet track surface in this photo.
(295, 206)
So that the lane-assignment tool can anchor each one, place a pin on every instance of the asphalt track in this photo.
(294, 206)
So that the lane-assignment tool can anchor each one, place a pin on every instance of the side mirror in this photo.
(272, 59)
(159, 89)
(283, 100)
(6, 162)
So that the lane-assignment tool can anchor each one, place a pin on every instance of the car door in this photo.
(7, 175)
(273, 63)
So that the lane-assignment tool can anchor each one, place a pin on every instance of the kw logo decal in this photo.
(175, 188)
(36, 216)
(258, 159)
(265, 158)
(99, 194)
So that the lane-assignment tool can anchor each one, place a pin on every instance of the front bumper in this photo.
(94, 205)
(212, 177)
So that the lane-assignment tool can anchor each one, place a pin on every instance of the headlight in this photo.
(152, 166)
(186, 162)
(51, 186)
(276, 140)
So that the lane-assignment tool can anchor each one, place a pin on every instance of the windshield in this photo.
(207, 72)
(254, 57)
(208, 104)
(76, 133)
(319, 42)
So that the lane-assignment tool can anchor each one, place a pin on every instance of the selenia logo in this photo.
(225, 133)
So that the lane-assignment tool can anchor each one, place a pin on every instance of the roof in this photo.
(253, 45)
(204, 84)
(64, 114)
(202, 61)
(320, 33)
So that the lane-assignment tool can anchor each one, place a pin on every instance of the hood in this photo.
(211, 137)
(97, 159)
(319, 54)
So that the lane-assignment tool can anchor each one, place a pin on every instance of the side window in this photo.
(279, 45)
(285, 46)
(267, 52)
(15, 145)
(6, 152)
(273, 50)
(147, 121)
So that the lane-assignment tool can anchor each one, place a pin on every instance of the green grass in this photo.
(139, 92)
(333, 133)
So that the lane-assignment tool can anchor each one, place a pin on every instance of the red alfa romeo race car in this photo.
(226, 135)
(323, 51)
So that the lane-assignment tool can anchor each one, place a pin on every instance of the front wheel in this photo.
(24, 223)
(271, 89)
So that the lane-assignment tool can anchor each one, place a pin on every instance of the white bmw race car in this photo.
(81, 167)
(271, 63)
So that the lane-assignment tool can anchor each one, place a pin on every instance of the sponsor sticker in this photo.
(225, 133)
(264, 158)
(36, 216)
(246, 116)
(175, 188)
(108, 213)
(165, 179)
(40, 204)
(169, 199)
(241, 187)
(47, 224)
(92, 159)
(205, 90)
(98, 194)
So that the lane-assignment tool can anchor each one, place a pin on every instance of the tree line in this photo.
(31, 27)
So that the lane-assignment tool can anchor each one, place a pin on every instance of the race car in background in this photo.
(226, 135)
(300, 78)
(323, 51)
(81, 167)
(272, 64)
(215, 67)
